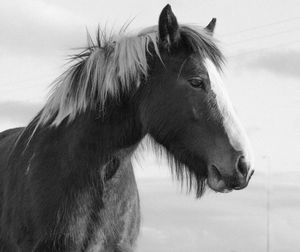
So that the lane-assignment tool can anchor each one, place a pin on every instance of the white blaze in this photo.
(233, 127)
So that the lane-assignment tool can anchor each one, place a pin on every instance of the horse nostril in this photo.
(242, 166)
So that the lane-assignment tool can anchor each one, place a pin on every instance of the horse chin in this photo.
(218, 187)
(216, 182)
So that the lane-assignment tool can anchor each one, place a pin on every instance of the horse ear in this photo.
(211, 26)
(168, 28)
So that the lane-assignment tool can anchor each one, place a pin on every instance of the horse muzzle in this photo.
(220, 180)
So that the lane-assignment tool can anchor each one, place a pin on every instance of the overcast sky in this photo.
(260, 38)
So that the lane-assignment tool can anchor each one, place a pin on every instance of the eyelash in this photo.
(197, 83)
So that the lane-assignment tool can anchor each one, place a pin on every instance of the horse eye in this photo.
(196, 83)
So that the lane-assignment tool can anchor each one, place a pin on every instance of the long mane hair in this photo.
(111, 64)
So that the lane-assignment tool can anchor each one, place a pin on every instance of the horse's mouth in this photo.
(215, 180)
(218, 183)
(247, 181)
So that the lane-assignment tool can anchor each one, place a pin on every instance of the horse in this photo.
(66, 179)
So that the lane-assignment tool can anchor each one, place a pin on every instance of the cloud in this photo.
(280, 63)
(38, 27)
(18, 112)
(175, 222)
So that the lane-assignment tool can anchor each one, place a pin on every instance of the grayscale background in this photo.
(261, 40)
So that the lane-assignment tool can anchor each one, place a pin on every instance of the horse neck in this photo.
(102, 136)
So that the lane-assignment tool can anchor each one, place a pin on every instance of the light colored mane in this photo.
(109, 65)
